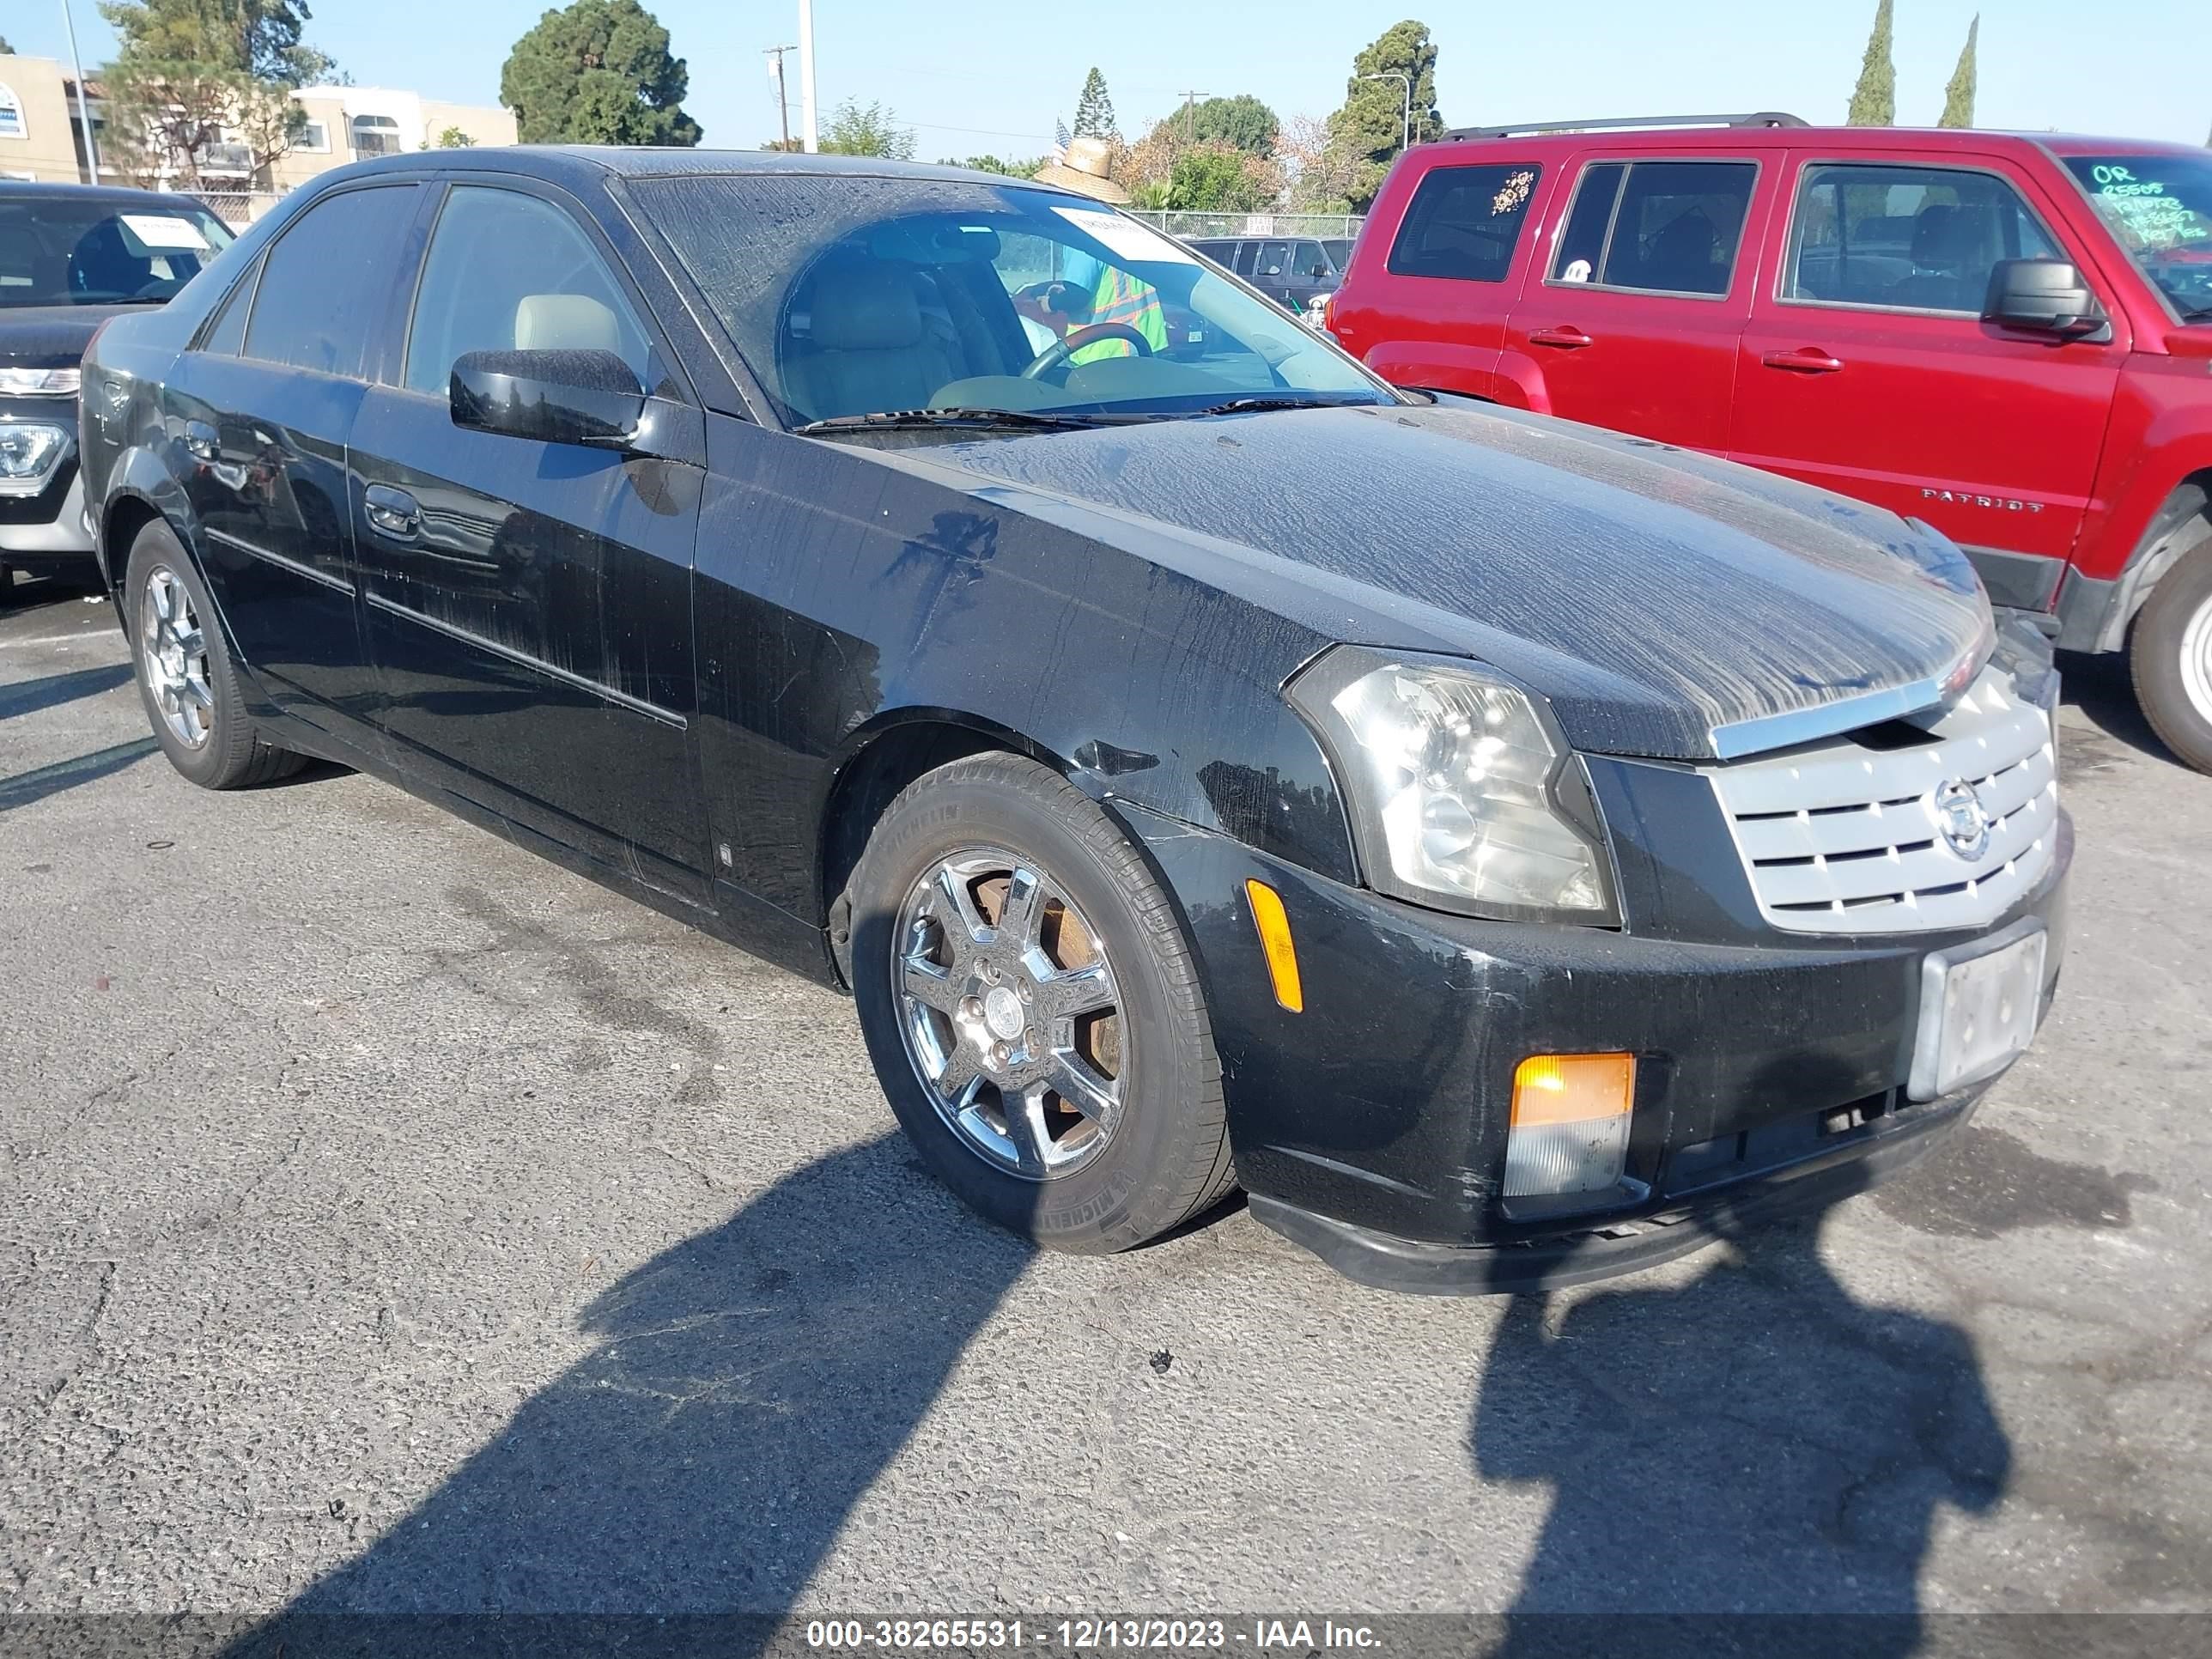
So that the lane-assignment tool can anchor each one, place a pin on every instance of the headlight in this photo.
(41, 382)
(29, 453)
(1462, 796)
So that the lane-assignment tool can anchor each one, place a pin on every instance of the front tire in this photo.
(1033, 1010)
(185, 678)
(2171, 657)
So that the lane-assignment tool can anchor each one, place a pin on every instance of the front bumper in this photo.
(1371, 1127)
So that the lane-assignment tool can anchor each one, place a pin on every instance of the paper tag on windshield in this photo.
(1125, 237)
(165, 233)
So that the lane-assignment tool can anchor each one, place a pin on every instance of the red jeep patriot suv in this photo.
(2008, 337)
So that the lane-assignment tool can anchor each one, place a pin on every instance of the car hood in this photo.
(53, 337)
(1666, 605)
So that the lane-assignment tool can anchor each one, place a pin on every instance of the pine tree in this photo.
(1873, 101)
(1958, 96)
(1094, 110)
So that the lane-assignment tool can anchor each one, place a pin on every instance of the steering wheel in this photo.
(1061, 350)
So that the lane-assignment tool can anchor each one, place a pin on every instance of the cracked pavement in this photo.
(389, 1220)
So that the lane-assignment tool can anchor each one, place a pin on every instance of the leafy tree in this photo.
(453, 139)
(1873, 101)
(1242, 123)
(995, 164)
(192, 74)
(1370, 127)
(6, 51)
(1094, 110)
(857, 129)
(1958, 96)
(1211, 179)
(598, 72)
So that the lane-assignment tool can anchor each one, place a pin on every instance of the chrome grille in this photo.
(1842, 837)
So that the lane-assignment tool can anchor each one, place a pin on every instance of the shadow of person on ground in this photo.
(747, 1387)
(1754, 1441)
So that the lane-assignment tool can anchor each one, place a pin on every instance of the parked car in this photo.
(1627, 845)
(72, 257)
(2003, 335)
(1288, 270)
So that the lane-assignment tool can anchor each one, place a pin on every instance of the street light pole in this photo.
(1405, 123)
(813, 133)
(83, 109)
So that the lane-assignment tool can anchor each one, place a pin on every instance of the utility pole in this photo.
(775, 56)
(806, 76)
(1191, 115)
(83, 109)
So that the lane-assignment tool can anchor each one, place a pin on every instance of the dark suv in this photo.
(843, 557)
(1291, 270)
(71, 257)
(2005, 335)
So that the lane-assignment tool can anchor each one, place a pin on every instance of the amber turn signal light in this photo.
(1571, 1116)
(1275, 929)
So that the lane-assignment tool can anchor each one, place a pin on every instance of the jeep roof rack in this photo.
(1764, 118)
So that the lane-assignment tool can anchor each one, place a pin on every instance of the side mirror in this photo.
(589, 396)
(2046, 296)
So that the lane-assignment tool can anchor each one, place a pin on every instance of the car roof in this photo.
(17, 189)
(571, 162)
(1741, 140)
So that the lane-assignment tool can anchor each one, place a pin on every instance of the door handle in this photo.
(1565, 337)
(393, 512)
(1805, 360)
(200, 439)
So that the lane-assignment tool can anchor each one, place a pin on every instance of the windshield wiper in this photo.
(893, 420)
(1264, 401)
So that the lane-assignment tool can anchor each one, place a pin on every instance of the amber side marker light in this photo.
(1571, 1116)
(1274, 928)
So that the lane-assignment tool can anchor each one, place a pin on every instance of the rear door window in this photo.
(1244, 253)
(1906, 239)
(1274, 258)
(1463, 222)
(324, 286)
(1670, 227)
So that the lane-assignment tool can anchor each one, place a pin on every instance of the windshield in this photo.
(2159, 208)
(856, 296)
(76, 250)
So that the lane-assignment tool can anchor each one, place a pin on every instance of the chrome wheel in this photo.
(174, 651)
(2196, 661)
(1011, 1013)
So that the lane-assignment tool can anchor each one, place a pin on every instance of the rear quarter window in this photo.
(1464, 223)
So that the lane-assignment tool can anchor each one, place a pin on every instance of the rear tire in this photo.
(2171, 658)
(185, 678)
(1061, 915)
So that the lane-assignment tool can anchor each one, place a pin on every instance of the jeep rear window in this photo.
(1462, 223)
(2159, 208)
(1659, 226)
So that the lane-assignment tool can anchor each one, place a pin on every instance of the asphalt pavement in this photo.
(390, 1219)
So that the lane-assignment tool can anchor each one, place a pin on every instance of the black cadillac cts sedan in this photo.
(1508, 851)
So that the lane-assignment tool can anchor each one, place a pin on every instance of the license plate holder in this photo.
(1980, 1007)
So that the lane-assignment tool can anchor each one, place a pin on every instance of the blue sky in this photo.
(990, 75)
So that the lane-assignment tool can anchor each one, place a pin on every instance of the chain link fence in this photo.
(1185, 226)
